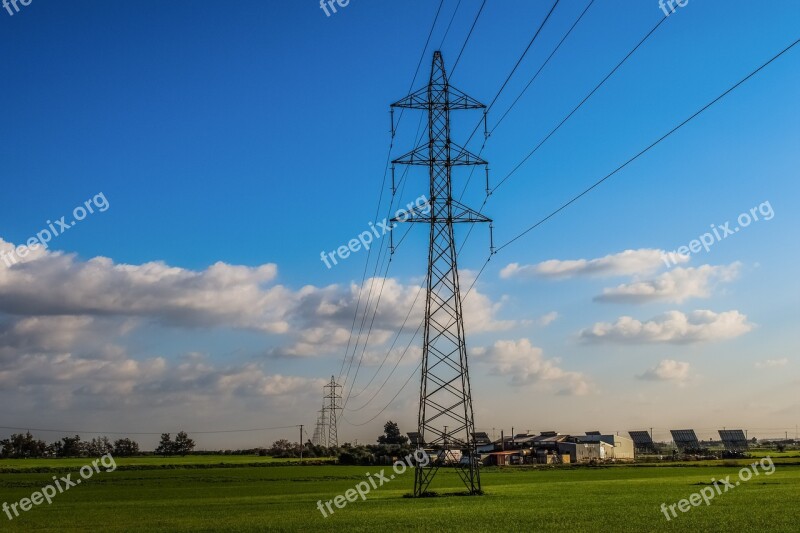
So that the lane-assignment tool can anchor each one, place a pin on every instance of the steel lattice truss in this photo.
(446, 421)
(333, 407)
(320, 437)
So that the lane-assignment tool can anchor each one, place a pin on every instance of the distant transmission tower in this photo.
(321, 429)
(446, 421)
(333, 407)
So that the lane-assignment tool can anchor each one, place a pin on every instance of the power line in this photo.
(390, 401)
(524, 53)
(516, 66)
(453, 70)
(383, 184)
(397, 363)
(403, 181)
(394, 342)
(474, 281)
(455, 11)
(369, 297)
(551, 215)
(546, 61)
(535, 76)
(76, 431)
(651, 146)
(597, 87)
(380, 292)
(513, 70)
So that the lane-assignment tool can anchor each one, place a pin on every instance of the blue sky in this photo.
(255, 134)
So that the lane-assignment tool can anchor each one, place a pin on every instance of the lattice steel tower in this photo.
(446, 421)
(321, 429)
(334, 405)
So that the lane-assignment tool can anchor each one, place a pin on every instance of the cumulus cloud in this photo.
(60, 284)
(628, 263)
(52, 334)
(325, 316)
(668, 370)
(60, 376)
(772, 363)
(317, 320)
(524, 364)
(77, 337)
(675, 286)
(673, 327)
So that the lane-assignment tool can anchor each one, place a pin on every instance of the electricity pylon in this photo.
(334, 405)
(320, 430)
(446, 421)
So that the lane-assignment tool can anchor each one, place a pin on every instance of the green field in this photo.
(240, 493)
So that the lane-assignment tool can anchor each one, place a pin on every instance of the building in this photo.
(551, 447)
(586, 452)
(598, 448)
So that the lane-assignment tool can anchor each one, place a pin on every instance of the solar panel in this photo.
(481, 437)
(641, 438)
(593, 433)
(733, 439)
(685, 438)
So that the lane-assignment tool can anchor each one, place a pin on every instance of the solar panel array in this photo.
(593, 433)
(641, 438)
(733, 439)
(685, 438)
(481, 437)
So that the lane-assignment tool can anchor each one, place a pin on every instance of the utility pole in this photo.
(334, 405)
(301, 443)
(445, 395)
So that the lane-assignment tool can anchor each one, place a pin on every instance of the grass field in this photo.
(197, 494)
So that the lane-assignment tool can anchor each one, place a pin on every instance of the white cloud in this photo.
(675, 286)
(480, 312)
(235, 296)
(524, 364)
(772, 363)
(547, 319)
(630, 262)
(668, 370)
(317, 320)
(58, 379)
(672, 327)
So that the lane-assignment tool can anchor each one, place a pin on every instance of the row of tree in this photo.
(391, 444)
(21, 446)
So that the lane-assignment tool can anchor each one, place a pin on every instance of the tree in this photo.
(356, 455)
(99, 446)
(20, 446)
(71, 447)
(183, 444)
(165, 445)
(392, 435)
(125, 447)
(283, 448)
